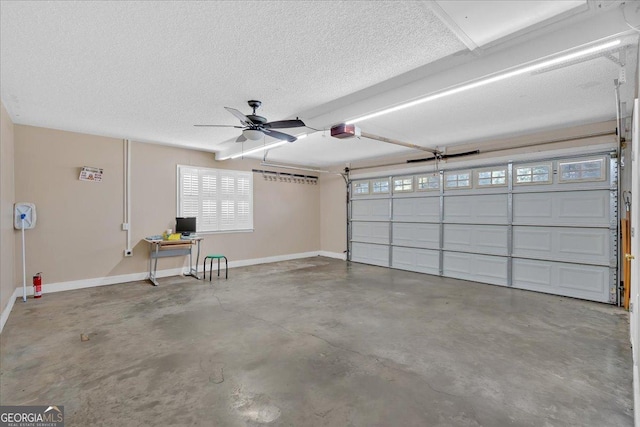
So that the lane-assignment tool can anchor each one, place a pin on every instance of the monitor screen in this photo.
(186, 226)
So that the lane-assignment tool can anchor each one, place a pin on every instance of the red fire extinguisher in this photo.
(37, 285)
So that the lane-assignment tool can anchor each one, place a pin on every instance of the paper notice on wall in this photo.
(91, 174)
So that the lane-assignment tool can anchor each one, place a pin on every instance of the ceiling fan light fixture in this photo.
(255, 150)
(252, 134)
(261, 148)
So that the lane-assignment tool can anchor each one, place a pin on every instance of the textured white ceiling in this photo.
(483, 22)
(148, 71)
(557, 98)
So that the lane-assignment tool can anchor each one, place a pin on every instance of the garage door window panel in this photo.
(533, 174)
(457, 180)
(403, 185)
(582, 171)
(380, 186)
(491, 178)
(428, 182)
(361, 188)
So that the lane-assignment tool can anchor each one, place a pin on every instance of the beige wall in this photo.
(285, 217)
(7, 248)
(333, 214)
(79, 236)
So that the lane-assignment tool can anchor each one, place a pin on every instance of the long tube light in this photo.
(489, 80)
(261, 148)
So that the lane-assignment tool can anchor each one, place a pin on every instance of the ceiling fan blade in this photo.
(243, 119)
(280, 135)
(220, 126)
(280, 124)
(241, 138)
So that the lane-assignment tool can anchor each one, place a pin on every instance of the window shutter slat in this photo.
(219, 199)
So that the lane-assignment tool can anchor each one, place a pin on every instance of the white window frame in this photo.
(357, 186)
(493, 178)
(603, 170)
(377, 181)
(228, 188)
(531, 166)
(406, 180)
(429, 177)
(457, 175)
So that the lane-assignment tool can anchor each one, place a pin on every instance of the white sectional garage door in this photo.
(547, 225)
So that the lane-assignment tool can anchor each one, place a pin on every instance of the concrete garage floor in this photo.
(319, 342)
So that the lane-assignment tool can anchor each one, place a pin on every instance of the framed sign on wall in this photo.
(90, 174)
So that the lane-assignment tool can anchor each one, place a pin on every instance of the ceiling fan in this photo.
(254, 127)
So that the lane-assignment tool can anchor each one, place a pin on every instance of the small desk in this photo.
(166, 248)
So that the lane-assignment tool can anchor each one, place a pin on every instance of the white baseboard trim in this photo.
(8, 308)
(48, 288)
(277, 258)
(336, 255)
(636, 396)
(124, 278)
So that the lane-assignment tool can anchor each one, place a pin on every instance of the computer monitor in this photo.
(186, 226)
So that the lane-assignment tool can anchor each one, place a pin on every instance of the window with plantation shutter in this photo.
(220, 199)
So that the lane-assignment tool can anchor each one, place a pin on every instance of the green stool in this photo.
(211, 258)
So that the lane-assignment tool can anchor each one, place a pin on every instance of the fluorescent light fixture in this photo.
(261, 148)
(496, 78)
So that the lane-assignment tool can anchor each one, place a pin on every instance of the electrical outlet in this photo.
(128, 252)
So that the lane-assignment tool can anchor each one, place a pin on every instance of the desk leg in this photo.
(152, 270)
(198, 260)
(193, 272)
